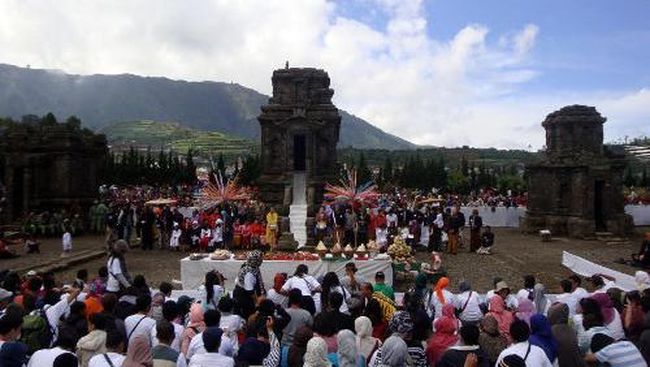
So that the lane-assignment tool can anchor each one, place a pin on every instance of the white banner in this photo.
(587, 268)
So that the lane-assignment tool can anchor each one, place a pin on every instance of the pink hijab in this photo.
(138, 353)
(444, 337)
(504, 317)
(525, 310)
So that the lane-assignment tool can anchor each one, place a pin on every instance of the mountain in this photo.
(101, 100)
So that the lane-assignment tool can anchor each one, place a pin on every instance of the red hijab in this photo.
(442, 339)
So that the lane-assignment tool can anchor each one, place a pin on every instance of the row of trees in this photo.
(462, 177)
(135, 168)
(632, 178)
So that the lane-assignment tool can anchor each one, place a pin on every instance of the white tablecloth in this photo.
(193, 271)
(640, 213)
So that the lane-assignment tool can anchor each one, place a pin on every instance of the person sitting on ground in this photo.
(456, 354)
(140, 323)
(381, 286)
(340, 320)
(533, 355)
(93, 343)
(195, 326)
(212, 342)
(13, 353)
(642, 258)
(163, 354)
(602, 282)
(491, 340)
(487, 241)
(231, 324)
(114, 349)
(607, 351)
(212, 318)
(299, 317)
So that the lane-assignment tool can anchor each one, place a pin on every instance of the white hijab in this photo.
(316, 354)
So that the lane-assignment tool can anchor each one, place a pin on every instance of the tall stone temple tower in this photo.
(300, 130)
(576, 189)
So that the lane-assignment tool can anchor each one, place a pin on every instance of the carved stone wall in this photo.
(576, 189)
(50, 166)
(300, 112)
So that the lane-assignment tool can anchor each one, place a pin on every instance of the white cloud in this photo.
(443, 92)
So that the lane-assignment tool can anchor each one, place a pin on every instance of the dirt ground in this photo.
(515, 255)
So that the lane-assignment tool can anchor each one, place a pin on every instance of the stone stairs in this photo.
(61, 263)
(610, 239)
(298, 209)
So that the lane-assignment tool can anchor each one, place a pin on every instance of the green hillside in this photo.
(145, 134)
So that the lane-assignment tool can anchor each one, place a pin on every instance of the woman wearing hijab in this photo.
(541, 302)
(296, 352)
(610, 315)
(444, 337)
(542, 336)
(348, 355)
(401, 324)
(195, 326)
(274, 293)
(316, 354)
(439, 297)
(568, 353)
(503, 317)
(525, 310)
(394, 353)
(139, 353)
(490, 340)
(249, 284)
(366, 343)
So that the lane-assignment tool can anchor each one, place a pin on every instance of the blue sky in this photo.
(456, 72)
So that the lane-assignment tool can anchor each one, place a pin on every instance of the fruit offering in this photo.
(336, 249)
(399, 251)
(348, 251)
(221, 255)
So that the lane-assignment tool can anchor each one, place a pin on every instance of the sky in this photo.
(483, 73)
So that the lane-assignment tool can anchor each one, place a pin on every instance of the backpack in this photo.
(36, 332)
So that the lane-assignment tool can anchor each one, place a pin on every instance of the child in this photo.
(205, 238)
(174, 240)
(217, 234)
(487, 240)
(67, 242)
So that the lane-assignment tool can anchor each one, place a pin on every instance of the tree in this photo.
(387, 171)
(363, 172)
(221, 165)
(644, 178)
(464, 169)
(49, 119)
(457, 182)
(629, 179)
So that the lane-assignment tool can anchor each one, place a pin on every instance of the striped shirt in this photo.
(621, 354)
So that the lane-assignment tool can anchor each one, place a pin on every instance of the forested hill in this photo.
(101, 100)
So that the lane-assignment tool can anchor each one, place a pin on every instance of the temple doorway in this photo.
(299, 152)
(598, 206)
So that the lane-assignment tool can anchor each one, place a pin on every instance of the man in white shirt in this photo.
(577, 291)
(53, 313)
(307, 284)
(527, 292)
(212, 341)
(212, 318)
(114, 344)
(567, 297)
(532, 355)
(468, 304)
(140, 323)
(602, 282)
(65, 343)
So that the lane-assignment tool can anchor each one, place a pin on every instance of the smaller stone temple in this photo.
(576, 189)
(49, 166)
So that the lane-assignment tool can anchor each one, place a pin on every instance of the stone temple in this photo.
(576, 189)
(50, 167)
(300, 129)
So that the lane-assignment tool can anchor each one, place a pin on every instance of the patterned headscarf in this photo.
(316, 354)
(252, 265)
(401, 323)
(347, 348)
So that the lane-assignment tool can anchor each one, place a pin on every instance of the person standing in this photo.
(272, 228)
(249, 284)
(118, 275)
(454, 229)
(475, 224)
(66, 242)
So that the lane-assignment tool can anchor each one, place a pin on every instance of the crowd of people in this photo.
(114, 319)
